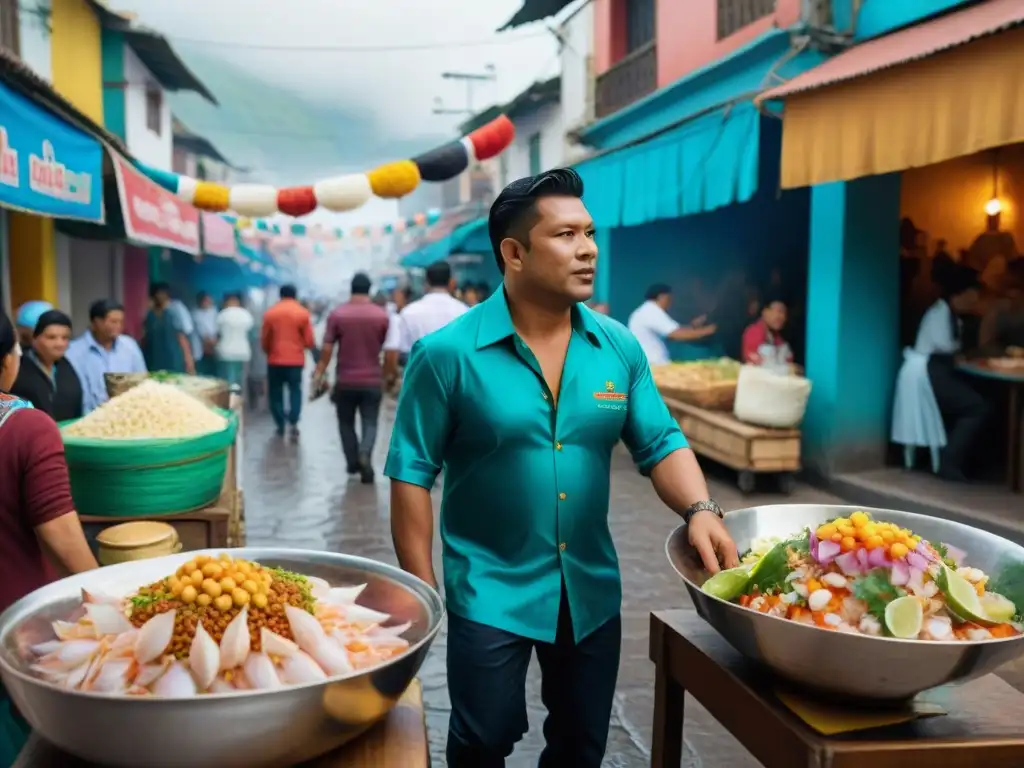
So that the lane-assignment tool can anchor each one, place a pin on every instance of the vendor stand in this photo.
(400, 739)
(1009, 371)
(981, 724)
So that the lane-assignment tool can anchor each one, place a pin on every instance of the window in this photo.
(535, 166)
(9, 34)
(154, 108)
(639, 16)
(734, 15)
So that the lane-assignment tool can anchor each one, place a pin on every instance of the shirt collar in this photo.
(496, 321)
(93, 344)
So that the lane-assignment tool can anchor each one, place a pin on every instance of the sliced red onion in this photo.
(862, 558)
(916, 582)
(812, 543)
(926, 550)
(954, 554)
(827, 551)
(900, 574)
(849, 563)
(877, 558)
(915, 560)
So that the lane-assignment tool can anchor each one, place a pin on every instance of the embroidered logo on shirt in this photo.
(610, 393)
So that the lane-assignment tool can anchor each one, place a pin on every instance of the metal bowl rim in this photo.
(734, 606)
(156, 700)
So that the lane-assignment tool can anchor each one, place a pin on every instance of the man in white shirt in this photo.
(434, 311)
(652, 324)
(234, 347)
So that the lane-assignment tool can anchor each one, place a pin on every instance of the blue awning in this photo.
(701, 165)
(470, 237)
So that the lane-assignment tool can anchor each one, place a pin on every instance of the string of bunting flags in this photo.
(261, 227)
(340, 193)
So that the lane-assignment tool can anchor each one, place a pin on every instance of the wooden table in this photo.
(398, 741)
(982, 726)
(1014, 380)
(747, 448)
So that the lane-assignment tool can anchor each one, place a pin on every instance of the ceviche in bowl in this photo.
(908, 602)
(861, 575)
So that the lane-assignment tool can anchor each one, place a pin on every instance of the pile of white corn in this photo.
(149, 410)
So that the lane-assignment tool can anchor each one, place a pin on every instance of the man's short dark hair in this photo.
(155, 288)
(99, 310)
(289, 291)
(439, 274)
(656, 291)
(51, 317)
(201, 297)
(361, 284)
(514, 211)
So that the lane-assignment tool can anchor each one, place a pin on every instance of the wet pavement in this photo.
(299, 495)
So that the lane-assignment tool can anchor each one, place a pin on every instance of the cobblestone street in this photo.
(298, 495)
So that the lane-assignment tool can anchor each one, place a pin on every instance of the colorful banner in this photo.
(47, 166)
(152, 215)
(218, 235)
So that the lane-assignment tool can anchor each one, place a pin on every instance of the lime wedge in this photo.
(729, 584)
(997, 607)
(962, 599)
(904, 617)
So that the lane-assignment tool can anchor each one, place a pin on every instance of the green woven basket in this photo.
(144, 478)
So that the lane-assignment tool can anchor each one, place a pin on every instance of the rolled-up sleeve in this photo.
(650, 432)
(422, 422)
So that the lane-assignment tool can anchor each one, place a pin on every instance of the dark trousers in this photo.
(347, 402)
(279, 377)
(963, 409)
(487, 685)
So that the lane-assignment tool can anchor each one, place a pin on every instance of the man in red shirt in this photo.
(358, 328)
(763, 343)
(286, 335)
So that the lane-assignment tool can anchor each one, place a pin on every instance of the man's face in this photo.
(562, 253)
(664, 301)
(52, 343)
(161, 298)
(205, 303)
(108, 328)
(775, 315)
(471, 297)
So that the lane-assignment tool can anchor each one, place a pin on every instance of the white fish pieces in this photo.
(107, 619)
(70, 655)
(204, 658)
(311, 638)
(235, 645)
(275, 645)
(318, 587)
(299, 668)
(150, 673)
(341, 595)
(260, 671)
(154, 637)
(176, 682)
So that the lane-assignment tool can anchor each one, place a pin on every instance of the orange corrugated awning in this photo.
(945, 88)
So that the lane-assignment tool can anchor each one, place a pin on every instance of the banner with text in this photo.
(152, 215)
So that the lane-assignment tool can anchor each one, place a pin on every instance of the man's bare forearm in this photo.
(412, 529)
(679, 481)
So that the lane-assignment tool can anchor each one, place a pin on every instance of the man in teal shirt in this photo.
(521, 401)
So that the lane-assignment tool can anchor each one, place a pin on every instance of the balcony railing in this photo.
(635, 76)
(734, 15)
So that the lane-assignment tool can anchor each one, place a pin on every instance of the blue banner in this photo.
(47, 166)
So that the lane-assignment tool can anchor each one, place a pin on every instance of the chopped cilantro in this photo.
(1009, 583)
(769, 575)
(148, 599)
(876, 591)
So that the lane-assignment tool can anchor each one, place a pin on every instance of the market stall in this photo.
(754, 434)
(157, 469)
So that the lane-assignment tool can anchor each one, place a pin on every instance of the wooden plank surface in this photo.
(728, 422)
(398, 741)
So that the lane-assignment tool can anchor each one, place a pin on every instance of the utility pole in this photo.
(471, 79)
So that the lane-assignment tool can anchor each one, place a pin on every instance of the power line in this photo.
(497, 40)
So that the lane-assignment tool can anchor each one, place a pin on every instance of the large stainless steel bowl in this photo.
(271, 728)
(840, 663)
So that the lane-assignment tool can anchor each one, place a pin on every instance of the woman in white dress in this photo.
(930, 393)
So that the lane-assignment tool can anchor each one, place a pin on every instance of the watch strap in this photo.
(707, 505)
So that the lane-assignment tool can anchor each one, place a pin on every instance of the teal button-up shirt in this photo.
(526, 486)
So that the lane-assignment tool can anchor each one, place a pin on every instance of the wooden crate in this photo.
(744, 447)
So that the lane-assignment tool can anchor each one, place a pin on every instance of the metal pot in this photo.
(248, 728)
(838, 663)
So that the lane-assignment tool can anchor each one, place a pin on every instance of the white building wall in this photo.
(548, 122)
(151, 147)
(578, 73)
(34, 36)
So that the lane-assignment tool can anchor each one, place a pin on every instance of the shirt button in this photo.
(558, 446)
(561, 496)
(561, 547)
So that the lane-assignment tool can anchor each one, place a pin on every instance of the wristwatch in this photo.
(709, 505)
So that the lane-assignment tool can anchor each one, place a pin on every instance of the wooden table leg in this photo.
(667, 751)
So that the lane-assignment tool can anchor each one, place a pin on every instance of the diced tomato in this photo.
(745, 600)
(1003, 630)
(819, 620)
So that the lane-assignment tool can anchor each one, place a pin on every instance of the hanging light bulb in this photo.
(993, 207)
